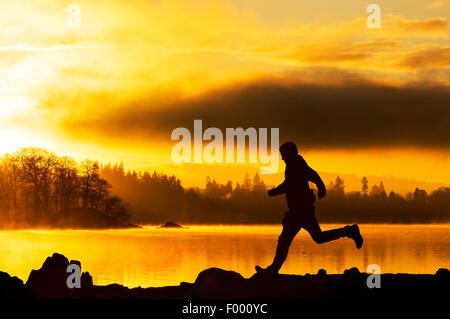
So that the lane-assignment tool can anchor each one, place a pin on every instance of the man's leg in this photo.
(284, 242)
(320, 236)
(290, 229)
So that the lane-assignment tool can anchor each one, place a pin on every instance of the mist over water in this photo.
(151, 257)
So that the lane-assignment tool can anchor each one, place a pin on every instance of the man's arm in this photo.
(314, 177)
(280, 189)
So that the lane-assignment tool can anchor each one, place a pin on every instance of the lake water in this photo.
(151, 257)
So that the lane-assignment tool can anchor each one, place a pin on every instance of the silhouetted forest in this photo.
(156, 198)
(38, 188)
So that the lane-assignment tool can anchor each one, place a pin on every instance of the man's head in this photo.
(288, 152)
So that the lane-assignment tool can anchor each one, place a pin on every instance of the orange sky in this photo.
(67, 89)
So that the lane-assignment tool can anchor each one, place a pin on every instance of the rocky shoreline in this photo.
(50, 282)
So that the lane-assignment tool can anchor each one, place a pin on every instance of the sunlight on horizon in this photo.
(59, 85)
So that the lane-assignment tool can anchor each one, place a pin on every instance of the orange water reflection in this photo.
(159, 257)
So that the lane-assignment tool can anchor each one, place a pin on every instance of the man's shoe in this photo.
(354, 233)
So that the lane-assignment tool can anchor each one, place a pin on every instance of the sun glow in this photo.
(51, 75)
(13, 104)
(11, 140)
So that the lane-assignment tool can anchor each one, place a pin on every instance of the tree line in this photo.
(157, 198)
(37, 187)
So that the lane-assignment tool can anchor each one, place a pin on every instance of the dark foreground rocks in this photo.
(50, 282)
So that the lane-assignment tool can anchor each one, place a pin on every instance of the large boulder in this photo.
(216, 282)
(50, 281)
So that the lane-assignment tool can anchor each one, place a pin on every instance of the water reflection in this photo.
(159, 257)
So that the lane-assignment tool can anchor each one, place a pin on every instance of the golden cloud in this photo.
(431, 25)
(434, 57)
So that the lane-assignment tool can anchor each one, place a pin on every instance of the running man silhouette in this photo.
(300, 199)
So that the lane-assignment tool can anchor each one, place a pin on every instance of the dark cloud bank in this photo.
(350, 115)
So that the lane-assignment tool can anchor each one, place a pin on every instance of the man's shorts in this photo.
(303, 217)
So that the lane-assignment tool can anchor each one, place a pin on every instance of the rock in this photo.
(185, 284)
(50, 278)
(76, 262)
(170, 225)
(50, 281)
(443, 273)
(217, 276)
(216, 283)
(10, 287)
(352, 272)
(86, 280)
(322, 273)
